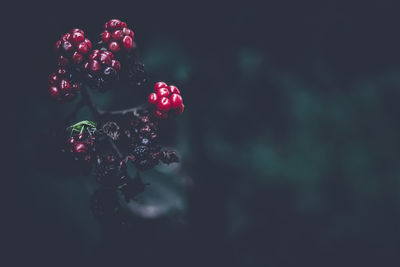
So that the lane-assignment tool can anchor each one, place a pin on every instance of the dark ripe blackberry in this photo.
(101, 69)
(109, 171)
(141, 152)
(144, 158)
(61, 85)
(72, 49)
(104, 203)
(136, 73)
(133, 188)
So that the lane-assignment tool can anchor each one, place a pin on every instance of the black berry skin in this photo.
(109, 171)
(101, 69)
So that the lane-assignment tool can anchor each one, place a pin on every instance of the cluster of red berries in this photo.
(117, 36)
(167, 100)
(72, 48)
(101, 69)
(81, 146)
(61, 87)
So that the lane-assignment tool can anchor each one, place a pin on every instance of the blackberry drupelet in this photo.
(117, 36)
(61, 85)
(102, 69)
(72, 49)
(166, 100)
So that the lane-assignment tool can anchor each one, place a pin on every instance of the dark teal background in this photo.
(289, 141)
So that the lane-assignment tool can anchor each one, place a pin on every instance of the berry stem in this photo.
(98, 113)
(114, 146)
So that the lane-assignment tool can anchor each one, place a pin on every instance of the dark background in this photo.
(289, 141)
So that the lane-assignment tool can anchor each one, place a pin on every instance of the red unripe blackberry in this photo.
(117, 35)
(65, 86)
(63, 61)
(54, 92)
(106, 36)
(66, 37)
(127, 43)
(89, 44)
(114, 47)
(77, 30)
(94, 66)
(116, 65)
(116, 32)
(163, 104)
(80, 148)
(163, 92)
(152, 99)
(61, 87)
(57, 46)
(61, 72)
(110, 54)
(104, 59)
(174, 90)
(128, 32)
(83, 48)
(77, 37)
(160, 85)
(94, 54)
(72, 48)
(71, 140)
(176, 101)
(114, 24)
(179, 110)
(77, 58)
(159, 114)
(53, 78)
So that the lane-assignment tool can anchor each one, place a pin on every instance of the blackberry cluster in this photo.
(61, 85)
(102, 69)
(82, 146)
(109, 171)
(72, 48)
(117, 36)
(167, 101)
(145, 148)
(130, 136)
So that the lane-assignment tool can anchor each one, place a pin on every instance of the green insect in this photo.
(81, 126)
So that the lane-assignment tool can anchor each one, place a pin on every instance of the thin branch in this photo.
(114, 146)
(88, 101)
